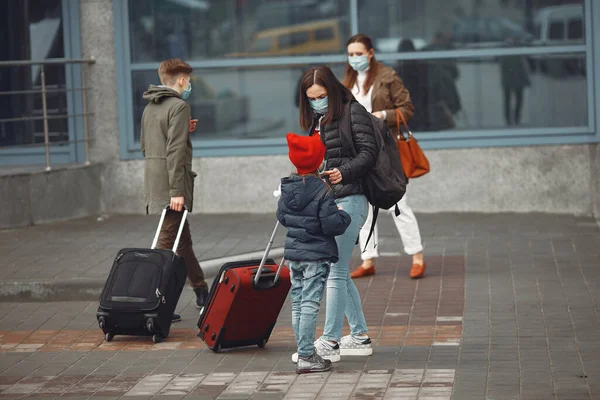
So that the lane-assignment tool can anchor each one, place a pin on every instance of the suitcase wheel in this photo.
(262, 344)
(101, 322)
(217, 348)
(157, 338)
(109, 337)
(150, 325)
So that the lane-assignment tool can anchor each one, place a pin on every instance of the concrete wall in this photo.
(97, 40)
(554, 179)
(595, 192)
(39, 197)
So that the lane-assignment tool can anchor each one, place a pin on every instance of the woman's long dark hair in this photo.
(351, 74)
(337, 95)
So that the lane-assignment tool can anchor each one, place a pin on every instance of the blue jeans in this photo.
(308, 286)
(342, 295)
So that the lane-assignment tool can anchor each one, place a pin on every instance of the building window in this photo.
(480, 72)
(575, 29)
(557, 30)
(456, 24)
(33, 31)
(200, 30)
(232, 104)
(489, 93)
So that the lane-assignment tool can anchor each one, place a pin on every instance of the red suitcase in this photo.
(244, 303)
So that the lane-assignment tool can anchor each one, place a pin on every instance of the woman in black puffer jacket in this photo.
(323, 103)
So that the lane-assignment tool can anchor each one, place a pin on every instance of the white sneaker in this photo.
(325, 349)
(352, 346)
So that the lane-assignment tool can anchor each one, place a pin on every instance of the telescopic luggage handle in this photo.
(264, 258)
(160, 224)
(276, 193)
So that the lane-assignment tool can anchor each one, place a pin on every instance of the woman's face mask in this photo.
(317, 97)
(359, 63)
(319, 106)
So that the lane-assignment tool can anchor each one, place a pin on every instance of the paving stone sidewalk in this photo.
(508, 310)
(85, 248)
(70, 260)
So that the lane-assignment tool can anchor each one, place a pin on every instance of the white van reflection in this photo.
(560, 26)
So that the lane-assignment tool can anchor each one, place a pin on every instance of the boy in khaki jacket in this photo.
(167, 151)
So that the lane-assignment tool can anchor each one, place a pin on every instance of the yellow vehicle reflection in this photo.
(319, 37)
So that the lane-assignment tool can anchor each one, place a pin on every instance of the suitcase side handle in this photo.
(264, 258)
(160, 224)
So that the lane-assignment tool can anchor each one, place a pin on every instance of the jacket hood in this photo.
(156, 93)
(298, 191)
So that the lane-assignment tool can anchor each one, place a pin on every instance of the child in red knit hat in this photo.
(307, 208)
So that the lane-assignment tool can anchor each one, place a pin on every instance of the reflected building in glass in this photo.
(471, 66)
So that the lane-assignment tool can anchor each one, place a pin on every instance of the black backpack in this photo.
(385, 184)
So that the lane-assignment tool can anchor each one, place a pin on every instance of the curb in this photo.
(87, 289)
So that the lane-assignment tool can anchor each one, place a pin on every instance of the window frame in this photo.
(74, 151)
(130, 149)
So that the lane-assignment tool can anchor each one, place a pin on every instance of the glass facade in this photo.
(471, 24)
(230, 29)
(32, 30)
(476, 69)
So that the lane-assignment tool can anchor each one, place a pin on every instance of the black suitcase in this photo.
(142, 290)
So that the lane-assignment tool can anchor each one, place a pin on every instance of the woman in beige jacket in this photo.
(381, 92)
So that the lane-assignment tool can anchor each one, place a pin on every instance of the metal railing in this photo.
(44, 92)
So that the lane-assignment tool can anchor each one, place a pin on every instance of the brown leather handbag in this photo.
(414, 161)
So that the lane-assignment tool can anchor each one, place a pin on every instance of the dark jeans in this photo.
(508, 113)
(166, 239)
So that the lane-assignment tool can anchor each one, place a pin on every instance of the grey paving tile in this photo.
(8, 360)
(29, 364)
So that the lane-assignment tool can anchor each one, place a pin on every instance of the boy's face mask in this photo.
(186, 93)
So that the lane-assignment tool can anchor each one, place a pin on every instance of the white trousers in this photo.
(407, 226)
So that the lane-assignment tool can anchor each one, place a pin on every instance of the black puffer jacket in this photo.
(308, 210)
(339, 155)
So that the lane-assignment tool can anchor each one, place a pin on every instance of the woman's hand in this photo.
(335, 176)
(378, 114)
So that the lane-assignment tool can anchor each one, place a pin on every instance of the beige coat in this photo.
(167, 149)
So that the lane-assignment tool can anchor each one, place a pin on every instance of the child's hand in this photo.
(340, 208)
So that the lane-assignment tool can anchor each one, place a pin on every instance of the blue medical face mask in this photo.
(358, 63)
(186, 93)
(319, 105)
(322, 167)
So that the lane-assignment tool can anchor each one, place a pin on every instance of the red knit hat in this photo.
(306, 152)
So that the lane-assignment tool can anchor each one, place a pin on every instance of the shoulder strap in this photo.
(375, 214)
(400, 120)
(345, 127)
